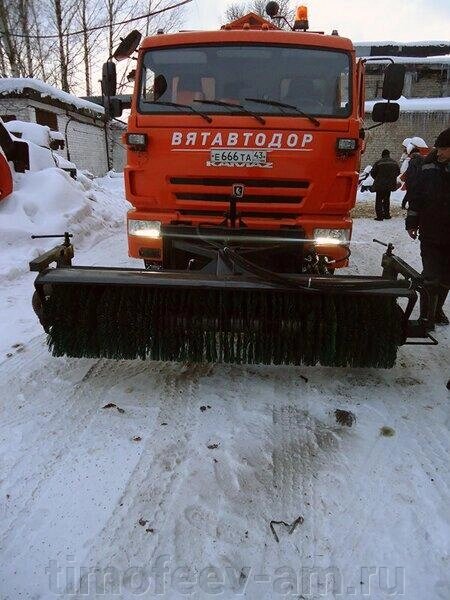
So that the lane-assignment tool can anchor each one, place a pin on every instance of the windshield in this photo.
(314, 80)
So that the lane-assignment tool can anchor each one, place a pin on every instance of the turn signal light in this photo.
(346, 145)
(136, 141)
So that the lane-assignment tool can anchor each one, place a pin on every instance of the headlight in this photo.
(331, 237)
(146, 229)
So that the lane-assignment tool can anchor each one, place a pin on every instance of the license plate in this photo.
(238, 157)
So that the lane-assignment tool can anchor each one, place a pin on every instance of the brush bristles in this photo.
(229, 326)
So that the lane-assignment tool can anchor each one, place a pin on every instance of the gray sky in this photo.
(360, 20)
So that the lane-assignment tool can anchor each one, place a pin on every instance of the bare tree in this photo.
(119, 10)
(116, 10)
(236, 10)
(23, 8)
(63, 16)
(42, 49)
(8, 17)
(60, 41)
(88, 16)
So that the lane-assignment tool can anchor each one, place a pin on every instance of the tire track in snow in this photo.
(303, 446)
(241, 499)
(38, 458)
(34, 350)
(222, 515)
(154, 482)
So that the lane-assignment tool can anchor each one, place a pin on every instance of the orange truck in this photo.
(244, 148)
(278, 114)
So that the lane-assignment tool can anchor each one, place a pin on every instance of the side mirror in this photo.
(109, 79)
(386, 112)
(394, 80)
(115, 108)
(272, 9)
(128, 45)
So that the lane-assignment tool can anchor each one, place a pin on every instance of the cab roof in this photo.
(249, 36)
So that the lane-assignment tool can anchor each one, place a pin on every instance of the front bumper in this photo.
(300, 230)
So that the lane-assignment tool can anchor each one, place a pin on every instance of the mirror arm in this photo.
(373, 126)
(283, 18)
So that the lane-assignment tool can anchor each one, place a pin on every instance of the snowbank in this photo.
(51, 202)
(38, 134)
(17, 85)
(417, 104)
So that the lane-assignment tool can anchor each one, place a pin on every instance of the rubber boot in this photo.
(440, 317)
(428, 305)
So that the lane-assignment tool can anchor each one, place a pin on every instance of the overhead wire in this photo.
(98, 27)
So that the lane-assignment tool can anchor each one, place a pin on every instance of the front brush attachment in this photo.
(128, 314)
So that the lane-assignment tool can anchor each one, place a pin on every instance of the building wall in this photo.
(426, 125)
(21, 109)
(86, 143)
(117, 148)
(435, 84)
(431, 85)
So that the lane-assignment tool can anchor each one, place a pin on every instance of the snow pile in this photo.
(32, 132)
(12, 85)
(38, 139)
(51, 202)
(417, 104)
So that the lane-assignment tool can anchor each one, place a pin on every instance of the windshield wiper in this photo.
(232, 105)
(176, 105)
(283, 105)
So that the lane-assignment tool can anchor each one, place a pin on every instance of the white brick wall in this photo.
(85, 144)
(118, 150)
(426, 125)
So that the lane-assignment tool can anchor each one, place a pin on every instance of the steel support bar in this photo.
(335, 284)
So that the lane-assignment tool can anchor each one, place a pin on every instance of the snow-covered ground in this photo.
(175, 491)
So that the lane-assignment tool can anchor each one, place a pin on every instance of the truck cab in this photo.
(250, 132)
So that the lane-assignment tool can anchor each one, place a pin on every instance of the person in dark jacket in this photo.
(412, 172)
(429, 217)
(384, 172)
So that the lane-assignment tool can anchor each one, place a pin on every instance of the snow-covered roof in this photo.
(11, 85)
(418, 104)
(403, 44)
(416, 60)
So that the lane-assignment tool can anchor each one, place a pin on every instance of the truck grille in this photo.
(248, 198)
(195, 189)
(228, 181)
(281, 216)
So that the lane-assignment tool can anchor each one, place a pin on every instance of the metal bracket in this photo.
(61, 255)
(433, 341)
